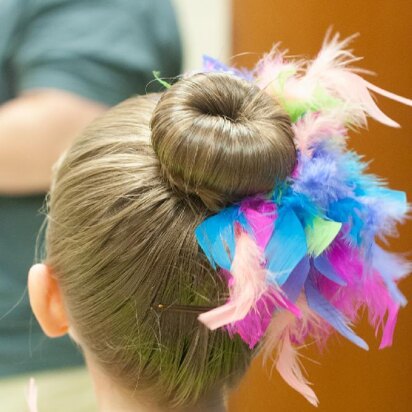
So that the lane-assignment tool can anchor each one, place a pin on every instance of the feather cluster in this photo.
(303, 261)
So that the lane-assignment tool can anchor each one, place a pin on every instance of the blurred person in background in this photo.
(62, 63)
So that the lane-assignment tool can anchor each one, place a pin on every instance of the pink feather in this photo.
(331, 70)
(365, 287)
(284, 331)
(247, 286)
(315, 127)
(389, 327)
(287, 364)
(281, 300)
(271, 67)
(31, 396)
(389, 95)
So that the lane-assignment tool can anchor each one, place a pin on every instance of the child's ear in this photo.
(46, 301)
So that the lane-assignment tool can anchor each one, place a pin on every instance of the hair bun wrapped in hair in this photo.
(222, 138)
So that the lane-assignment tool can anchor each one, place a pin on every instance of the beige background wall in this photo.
(206, 29)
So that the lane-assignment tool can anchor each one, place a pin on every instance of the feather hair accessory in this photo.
(302, 261)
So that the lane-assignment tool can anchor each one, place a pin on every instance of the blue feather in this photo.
(384, 208)
(390, 267)
(318, 303)
(300, 203)
(322, 179)
(216, 237)
(350, 211)
(286, 247)
(211, 64)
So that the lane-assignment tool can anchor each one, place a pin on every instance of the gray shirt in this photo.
(104, 50)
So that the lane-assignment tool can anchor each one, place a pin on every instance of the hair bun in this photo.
(221, 138)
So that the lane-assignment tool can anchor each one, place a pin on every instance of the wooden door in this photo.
(346, 378)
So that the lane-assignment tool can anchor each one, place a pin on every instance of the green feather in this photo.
(320, 234)
(164, 83)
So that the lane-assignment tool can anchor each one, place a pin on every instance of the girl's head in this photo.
(123, 207)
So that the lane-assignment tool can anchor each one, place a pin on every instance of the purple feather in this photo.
(293, 287)
(318, 303)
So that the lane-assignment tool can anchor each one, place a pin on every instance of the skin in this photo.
(35, 128)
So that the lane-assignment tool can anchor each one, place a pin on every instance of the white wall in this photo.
(205, 27)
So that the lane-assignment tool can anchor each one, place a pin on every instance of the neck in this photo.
(112, 398)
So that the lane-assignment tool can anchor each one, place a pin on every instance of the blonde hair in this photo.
(124, 204)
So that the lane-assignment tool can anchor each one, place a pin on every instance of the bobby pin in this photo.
(182, 308)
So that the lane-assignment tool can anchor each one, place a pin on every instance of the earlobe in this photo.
(46, 301)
